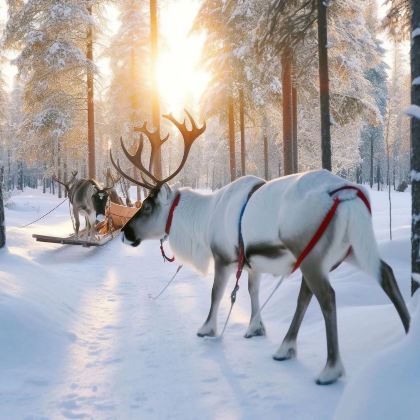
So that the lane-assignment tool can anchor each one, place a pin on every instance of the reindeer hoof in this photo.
(257, 330)
(209, 334)
(206, 332)
(330, 374)
(286, 351)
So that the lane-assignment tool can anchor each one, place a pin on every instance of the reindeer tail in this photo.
(362, 238)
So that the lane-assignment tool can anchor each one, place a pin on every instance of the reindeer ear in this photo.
(165, 193)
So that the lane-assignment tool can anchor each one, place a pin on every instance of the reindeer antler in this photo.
(66, 184)
(189, 136)
(114, 181)
(153, 136)
(125, 175)
(136, 158)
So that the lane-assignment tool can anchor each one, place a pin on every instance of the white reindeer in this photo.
(279, 220)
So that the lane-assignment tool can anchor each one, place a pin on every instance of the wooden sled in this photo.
(73, 240)
(117, 217)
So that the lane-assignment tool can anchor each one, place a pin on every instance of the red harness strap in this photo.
(171, 213)
(327, 220)
(168, 227)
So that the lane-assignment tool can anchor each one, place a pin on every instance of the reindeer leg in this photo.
(321, 288)
(256, 326)
(88, 227)
(92, 222)
(221, 275)
(76, 222)
(390, 287)
(287, 350)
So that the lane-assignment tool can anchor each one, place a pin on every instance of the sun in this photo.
(180, 77)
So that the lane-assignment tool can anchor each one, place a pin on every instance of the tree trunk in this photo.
(324, 89)
(231, 128)
(135, 104)
(359, 179)
(371, 161)
(265, 147)
(287, 113)
(90, 103)
(265, 139)
(60, 192)
(393, 173)
(415, 149)
(295, 138)
(242, 128)
(65, 175)
(2, 224)
(20, 179)
(157, 156)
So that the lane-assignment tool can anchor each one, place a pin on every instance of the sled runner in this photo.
(74, 240)
(116, 217)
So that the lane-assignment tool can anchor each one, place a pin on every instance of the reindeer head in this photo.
(150, 221)
(67, 185)
(100, 199)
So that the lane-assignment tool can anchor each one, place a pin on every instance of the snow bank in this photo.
(388, 386)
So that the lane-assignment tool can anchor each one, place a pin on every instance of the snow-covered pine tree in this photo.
(129, 53)
(283, 27)
(51, 39)
(4, 102)
(220, 59)
(129, 94)
(398, 18)
(351, 51)
(257, 84)
(404, 17)
(372, 135)
(237, 76)
(3, 156)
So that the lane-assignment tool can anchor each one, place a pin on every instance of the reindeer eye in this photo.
(147, 207)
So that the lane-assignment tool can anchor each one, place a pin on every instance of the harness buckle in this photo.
(233, 294)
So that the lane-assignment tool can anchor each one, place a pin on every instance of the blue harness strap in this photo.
(241, 253)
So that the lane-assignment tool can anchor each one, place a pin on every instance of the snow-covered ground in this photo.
(80, 337)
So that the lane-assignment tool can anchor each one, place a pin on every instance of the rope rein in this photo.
(167, 284)
(46, 214)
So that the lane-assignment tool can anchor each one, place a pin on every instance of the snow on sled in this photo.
(107, 230)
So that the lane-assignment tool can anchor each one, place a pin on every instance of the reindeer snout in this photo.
(129, 242)
(129, 237)
(100, 217)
